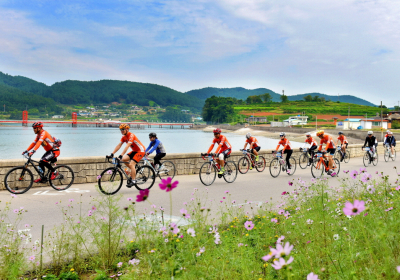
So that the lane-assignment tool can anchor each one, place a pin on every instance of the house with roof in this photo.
(375, 123)
(348, 124)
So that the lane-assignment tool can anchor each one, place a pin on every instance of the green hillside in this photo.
(24, 84)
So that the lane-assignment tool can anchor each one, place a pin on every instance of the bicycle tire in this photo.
(317, 169)
(275, 168)
(230, 172)
(303, 161)
(20, 185)
(347, 156)
(110, 181)
(394, 158)
(168, 170)
(207, 170)
(260, 164)
(65, 178)
(292, 166)
(386, 155)
(243, 165)
(145, 174)
(375, 159)
(337, 165)
(337, 155)
(366, 159)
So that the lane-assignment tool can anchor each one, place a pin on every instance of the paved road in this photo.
(253, 186)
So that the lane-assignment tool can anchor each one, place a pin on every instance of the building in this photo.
(57, 117)
(256, 119)
(349, 124)
(297, 120)
(375, 123)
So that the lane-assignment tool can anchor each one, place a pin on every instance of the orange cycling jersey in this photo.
(43, 138)
(285, 144)
(328, 141)
(342, 139)
(136, 145)
(311, 141)
(254, 141)
(222, 142)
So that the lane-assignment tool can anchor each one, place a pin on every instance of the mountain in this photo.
(24, 84)
(242, 93)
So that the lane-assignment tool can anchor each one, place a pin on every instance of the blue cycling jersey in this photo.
(157, 145)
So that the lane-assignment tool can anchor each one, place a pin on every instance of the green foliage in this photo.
(50, 277)
(238, 93)
(253, 99)
(172, 114)
(70, 275)
(266, 97)
(101, 275)
(395, 124)
(284, 98)
(219, 109)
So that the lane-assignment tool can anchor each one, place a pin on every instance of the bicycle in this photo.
(339, 154)
(20, 179)
(321, 165)
(369, 158)
(388, 153)
(167, 168)
(278, 164)
(111, 179)
(304, 159)
(208, 170)
(249, 158)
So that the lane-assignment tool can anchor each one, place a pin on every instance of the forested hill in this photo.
(242, 93)
(24, 84)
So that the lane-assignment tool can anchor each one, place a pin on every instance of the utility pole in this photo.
(381, 122)
(348, 118)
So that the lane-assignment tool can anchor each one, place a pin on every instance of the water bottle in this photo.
(40, 170)
(210, 158)
(282, 161)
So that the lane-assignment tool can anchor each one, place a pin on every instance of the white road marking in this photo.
(71, 190)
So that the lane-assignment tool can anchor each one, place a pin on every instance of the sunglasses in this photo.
(122, 129)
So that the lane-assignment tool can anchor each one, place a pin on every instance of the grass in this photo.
(217, 238)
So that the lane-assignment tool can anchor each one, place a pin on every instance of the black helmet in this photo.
(340, 132)
(152, 134)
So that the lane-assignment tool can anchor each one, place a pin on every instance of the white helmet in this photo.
(390, 133)
(308, 134)
(370, 132)
(248, 135)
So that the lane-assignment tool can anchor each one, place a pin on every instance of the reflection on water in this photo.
(92, 141)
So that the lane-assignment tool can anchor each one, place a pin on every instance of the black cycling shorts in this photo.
(257, 148)
(331, 151)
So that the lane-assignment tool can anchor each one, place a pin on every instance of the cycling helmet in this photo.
(390, 133)
(320, 133)
(217, 131)
(308, 134)
(282, 134)
(248, 135)
(370, 132)
(37, 124)
(340, 132)
(124, 126)
(152, 134)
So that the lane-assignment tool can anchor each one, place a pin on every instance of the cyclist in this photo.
(254, 146)
(287, 149)
(372, 143)
(156, 145)
(52, 152)
(313, 146)
(344, 143)
(330, 148)
(137, 153)
(223, 150)
(391, 142)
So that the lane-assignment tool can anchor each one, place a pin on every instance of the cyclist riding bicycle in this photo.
(156, 145)
(254, 146)
(312, 147)
(372, 143)
(329, 147)
(223, 150)
(45, 140)
(391, 142)
(137, 153)
(344, 143)
(287, 149)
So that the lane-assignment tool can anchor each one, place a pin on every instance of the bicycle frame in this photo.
(117, 165)
(31, 162)
(249, 156)
(321, 160)
(212, 161)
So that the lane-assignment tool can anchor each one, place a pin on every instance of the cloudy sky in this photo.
(334, 47)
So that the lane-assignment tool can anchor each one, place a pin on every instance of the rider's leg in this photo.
(288, 155)
(157, 158)
(392, 149)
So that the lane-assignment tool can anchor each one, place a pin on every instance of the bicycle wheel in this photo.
(337, 155)
(366, 159)
(260, 165)
(292, 166)
(375, 160)
(110, 181)
(230, 172)
(317, 169)
(145, 178)
(243, 165)
(167, 170)
(275, 168)
(207, 173)
(386, 155)
(347, 156)
(303, 161)
(65, 178)
(394, 155)
(336, 165)
(18, 180)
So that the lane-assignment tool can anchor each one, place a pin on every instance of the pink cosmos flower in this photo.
(32, 258)
(346, 171)
(226, 191)
(389, 209)
(240, 244)
(129, 198)
(312, 276)
(191, 232)
(290, 183)
(397, 188)
(249, 225)
(281, 263)
(134, 261)
(280, 251)
(370, 189)
(16, 210)
(98, 177)
(398, 269)
(167, 185)
(267, 257)
(142, 196)
(363, 169)
(184, 213)
(281, 212)
(13, 195)
(353, 209)
(274, 220)
(119, 264)
(366, 177)
(283, 193)
(354, 174)
(174, 228)
(279, 241)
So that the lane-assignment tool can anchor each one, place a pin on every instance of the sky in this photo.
(299, 46)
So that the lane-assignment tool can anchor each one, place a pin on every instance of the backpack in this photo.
(57, 142)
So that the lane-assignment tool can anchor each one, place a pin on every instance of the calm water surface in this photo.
(92, 141)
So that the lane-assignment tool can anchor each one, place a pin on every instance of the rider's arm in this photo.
(31, 145)
(117, 148)
(210, 149)
(366, 140)
(251, 145)
(126, 148)
(245, 145)
(40, 141)
(148, 148)
(155, 145)
(320, 147)
(277, 147)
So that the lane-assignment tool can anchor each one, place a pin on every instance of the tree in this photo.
(308, 98)
(219, 109)
(284, 98)
(253, 99)
(266, 97)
